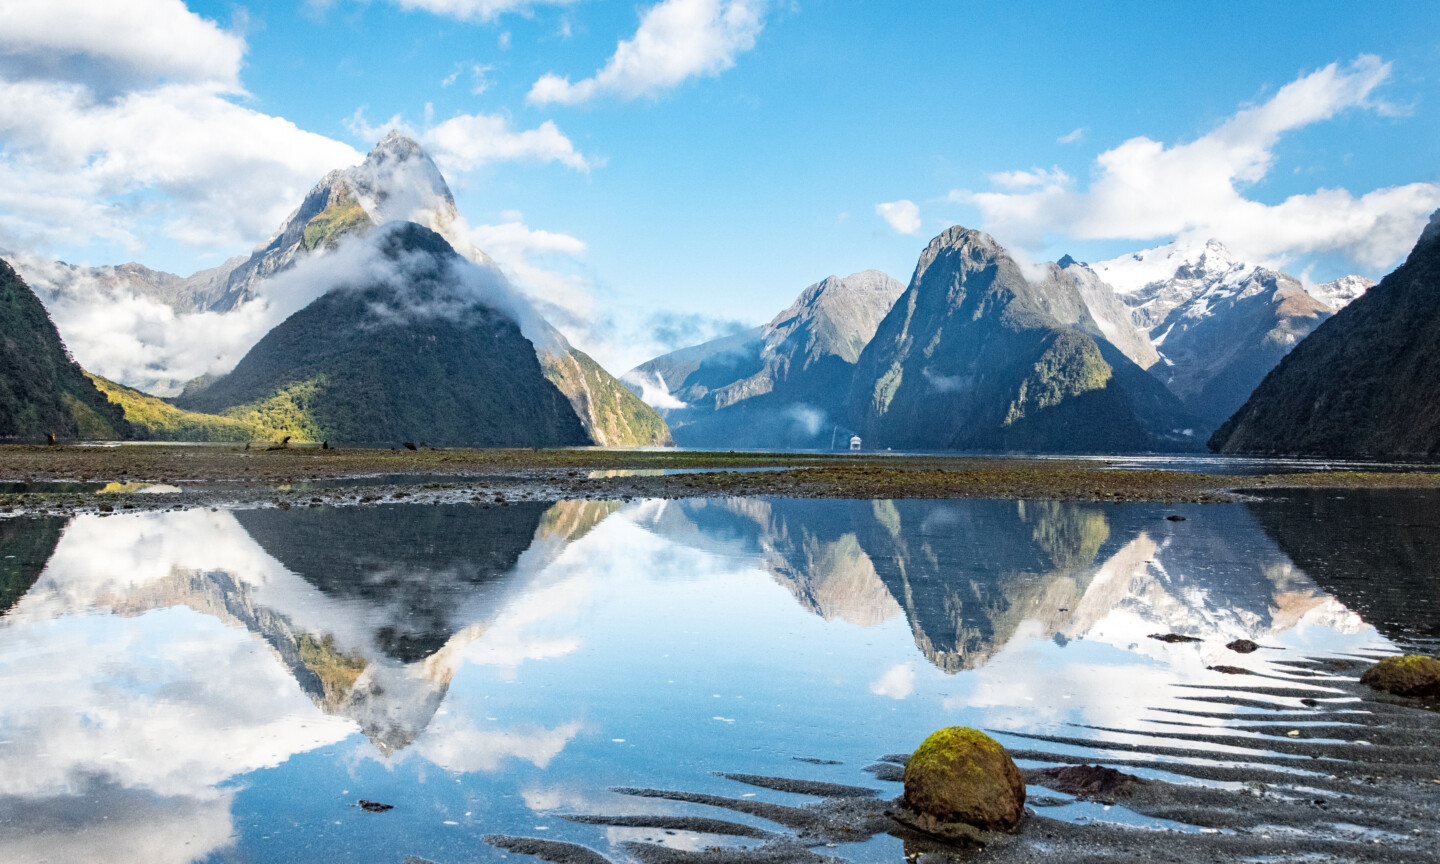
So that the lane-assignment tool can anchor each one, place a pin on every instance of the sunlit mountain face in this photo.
(191, 686)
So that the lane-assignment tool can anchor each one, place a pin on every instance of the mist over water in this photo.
(195, 686)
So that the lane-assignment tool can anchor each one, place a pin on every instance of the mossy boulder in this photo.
(1412, 675)
(959, 775)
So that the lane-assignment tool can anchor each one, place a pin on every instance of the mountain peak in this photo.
(1066, 261)
(1432, 230)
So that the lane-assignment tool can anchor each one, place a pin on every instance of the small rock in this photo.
(374, 806)
(1088, 781)
(1175, 517)
(1243, 646)
(959, 775)
(1412, 675)
(1173, 637)
(1230, 670)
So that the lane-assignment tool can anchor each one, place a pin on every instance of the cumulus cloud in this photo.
(116, 121)
(1144, 189)
(100, 44)
(903, 216)
(676, 40)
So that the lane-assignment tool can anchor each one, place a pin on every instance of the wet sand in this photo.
(1357, 783)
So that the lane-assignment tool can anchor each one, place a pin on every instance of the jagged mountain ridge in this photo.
(1219, 323)
(781, 384)
(974, 356)
(1365, 383)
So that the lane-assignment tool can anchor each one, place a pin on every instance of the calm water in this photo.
(224, 686)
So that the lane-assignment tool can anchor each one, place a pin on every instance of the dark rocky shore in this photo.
(36, 479)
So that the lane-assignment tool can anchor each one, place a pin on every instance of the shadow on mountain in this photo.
(413, 568)
(25, 545)
(1378, 551)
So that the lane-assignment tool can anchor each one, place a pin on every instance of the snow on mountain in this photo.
(1339, 293)
(1219, 323)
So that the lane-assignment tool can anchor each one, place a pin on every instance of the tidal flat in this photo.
(35, 479)
(210, 654)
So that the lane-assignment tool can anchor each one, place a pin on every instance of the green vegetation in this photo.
(337, 672)
(288, 412)
(43, 391)
(614, 416)
(345, 216)
(25, 547)
(1413, 675)
(368, 364)
(965, 776)
(1071, 365)
(157, 420)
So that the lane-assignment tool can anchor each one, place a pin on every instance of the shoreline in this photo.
(64, 480)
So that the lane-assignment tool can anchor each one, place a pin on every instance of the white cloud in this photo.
(676, 40)
(1071, 137)
(898, 682)
(1029, 179)
(542, 264)
(1143, 189)
(74, 167)
(116, 121)
(903, 216)
(476, 10)
(98, 43)
(467, 141)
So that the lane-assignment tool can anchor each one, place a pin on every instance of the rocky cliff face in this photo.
(1365, 383)
(974, 356)
(782, 384)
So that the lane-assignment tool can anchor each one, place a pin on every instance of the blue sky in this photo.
(698, 199)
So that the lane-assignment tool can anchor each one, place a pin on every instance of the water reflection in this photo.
(174, 685)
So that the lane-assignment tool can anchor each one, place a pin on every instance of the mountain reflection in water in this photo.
(171, 683)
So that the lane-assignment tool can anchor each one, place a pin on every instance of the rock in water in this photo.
(963, 776)
(1412, 675)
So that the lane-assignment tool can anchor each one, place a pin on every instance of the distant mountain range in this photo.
(975, 356)
(1147, 351)
(1218, 323)
(783, 384)
(1204, 324)
(1365, 383)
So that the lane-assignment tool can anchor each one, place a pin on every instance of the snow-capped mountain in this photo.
(1218, 322)
(396, 182)
(1341, 292)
